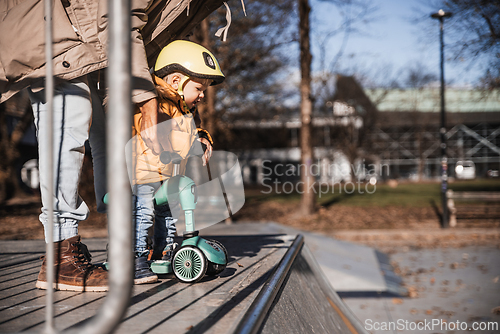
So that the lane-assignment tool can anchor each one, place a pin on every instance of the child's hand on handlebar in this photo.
(208, 151)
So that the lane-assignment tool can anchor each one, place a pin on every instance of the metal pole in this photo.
(118, 133)
(441, 15)
(442, 132)
(120, 203)
(49, 168)
(119, 125)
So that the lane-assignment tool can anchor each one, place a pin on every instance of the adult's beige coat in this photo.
(80, 39)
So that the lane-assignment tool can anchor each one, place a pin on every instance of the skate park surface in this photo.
(446, 287)
(214, 305)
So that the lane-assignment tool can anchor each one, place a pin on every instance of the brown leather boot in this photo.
(73, 270)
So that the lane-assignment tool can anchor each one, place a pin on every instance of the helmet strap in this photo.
(182, 83)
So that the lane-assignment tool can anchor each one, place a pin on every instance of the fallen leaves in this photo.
(412, 292)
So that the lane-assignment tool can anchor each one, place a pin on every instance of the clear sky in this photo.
(391, 40)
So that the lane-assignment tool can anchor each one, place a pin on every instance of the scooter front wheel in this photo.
(189, 264)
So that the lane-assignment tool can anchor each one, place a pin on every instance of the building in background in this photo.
(386, 133)
(406, 135)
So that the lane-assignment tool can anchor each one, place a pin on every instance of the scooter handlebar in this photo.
(167, 157)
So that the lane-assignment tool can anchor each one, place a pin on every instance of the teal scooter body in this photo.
(210, 249)
(196, 256)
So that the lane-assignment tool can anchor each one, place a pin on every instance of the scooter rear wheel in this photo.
(215, 268)
(189, 264)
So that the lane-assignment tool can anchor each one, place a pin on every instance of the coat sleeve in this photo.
(143, 88)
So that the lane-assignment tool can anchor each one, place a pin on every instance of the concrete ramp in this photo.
(308, 304)
(348, 266)
(352, 269)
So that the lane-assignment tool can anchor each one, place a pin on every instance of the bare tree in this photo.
(473, 34)
(354, 17)
(252, 57)
(202, 36)
(308, 195)
(351, 12)
(417, 76)
(491, 79)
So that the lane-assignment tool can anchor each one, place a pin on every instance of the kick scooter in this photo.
(196, 256)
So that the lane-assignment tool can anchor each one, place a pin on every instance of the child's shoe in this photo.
(168, 252)
(162, 263)
(143, 273)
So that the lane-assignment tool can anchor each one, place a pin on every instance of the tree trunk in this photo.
(206, 109)
(9, 149)
(308, 194)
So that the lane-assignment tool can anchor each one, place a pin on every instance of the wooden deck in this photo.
(213, 305)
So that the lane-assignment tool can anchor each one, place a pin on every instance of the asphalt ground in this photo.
(450, 290)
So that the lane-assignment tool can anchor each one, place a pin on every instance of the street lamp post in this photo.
(441, 15)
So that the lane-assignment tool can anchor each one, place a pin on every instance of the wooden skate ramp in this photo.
(271, 277)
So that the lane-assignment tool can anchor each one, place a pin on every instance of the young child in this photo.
(183, 71)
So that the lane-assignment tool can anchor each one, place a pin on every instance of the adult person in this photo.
(79, 48)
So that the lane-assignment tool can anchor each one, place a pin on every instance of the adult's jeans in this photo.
(72, 119)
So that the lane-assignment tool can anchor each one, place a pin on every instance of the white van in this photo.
(465, 170)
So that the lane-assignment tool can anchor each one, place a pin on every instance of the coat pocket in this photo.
(22, 41)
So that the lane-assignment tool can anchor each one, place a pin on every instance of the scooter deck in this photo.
(158, 267)
(161, 267)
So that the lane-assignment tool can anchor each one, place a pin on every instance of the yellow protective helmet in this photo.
(189, 58)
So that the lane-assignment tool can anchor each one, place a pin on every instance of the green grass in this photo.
(416, 195)
(404, 195)
(476, 185)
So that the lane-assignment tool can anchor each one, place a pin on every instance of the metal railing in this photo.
(49, 169)
(120, 276)
(254, 317)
